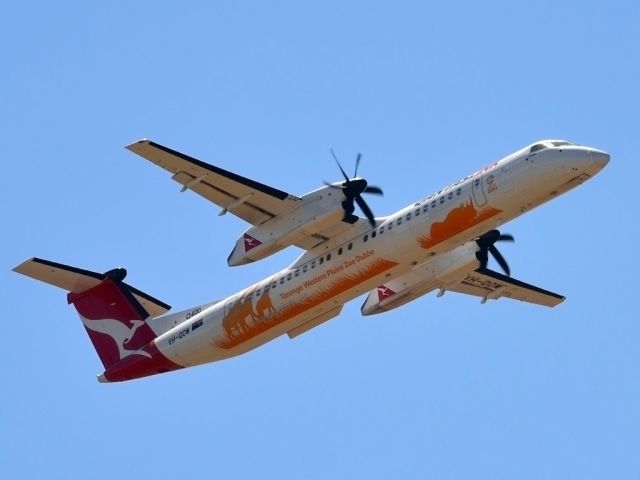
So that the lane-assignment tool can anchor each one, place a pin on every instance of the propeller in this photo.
(487, 242)
(353, 188)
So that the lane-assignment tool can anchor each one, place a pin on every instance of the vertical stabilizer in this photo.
(114, 314)
(114, 320)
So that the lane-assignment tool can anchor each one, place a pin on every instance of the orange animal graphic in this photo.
(374, 268)
(264, 304)
(458, 219)
(235, 322)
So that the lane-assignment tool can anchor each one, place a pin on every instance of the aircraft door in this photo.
(504, 180)
(479, 196)
(228, 306)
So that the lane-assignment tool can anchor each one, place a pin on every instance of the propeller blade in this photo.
(365, 208)
(374, 190)
(352, 188)
(358, 158)
(506, 237)
(500, 259)
(333, 154)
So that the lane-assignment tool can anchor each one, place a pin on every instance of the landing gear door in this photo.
(479, 196)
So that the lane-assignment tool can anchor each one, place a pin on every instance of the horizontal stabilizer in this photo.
(77, 280)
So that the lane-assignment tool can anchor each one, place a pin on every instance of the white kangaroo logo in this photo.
(117, 330)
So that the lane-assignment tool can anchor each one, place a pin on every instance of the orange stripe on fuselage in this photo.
(238, 330)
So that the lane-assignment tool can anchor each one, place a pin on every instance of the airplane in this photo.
(440, 243)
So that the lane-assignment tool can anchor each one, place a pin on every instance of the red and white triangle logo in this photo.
(250, 242)
(384, 292)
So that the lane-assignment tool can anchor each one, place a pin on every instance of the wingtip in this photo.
(19, 268)
(137, 142)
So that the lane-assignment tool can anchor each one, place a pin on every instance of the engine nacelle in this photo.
(260, 242)
(439, 272)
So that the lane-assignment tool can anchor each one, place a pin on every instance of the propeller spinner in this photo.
(486, 243)
(353, 188)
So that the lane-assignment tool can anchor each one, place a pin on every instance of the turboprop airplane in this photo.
(441, 242)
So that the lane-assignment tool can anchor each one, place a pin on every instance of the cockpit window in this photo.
(560, 143)
(537, 147)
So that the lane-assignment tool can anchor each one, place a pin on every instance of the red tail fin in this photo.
(114, 315)
(114, 320)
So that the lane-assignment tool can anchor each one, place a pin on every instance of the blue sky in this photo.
(442, 388)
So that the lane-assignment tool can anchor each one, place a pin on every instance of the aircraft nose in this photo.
(599, 158)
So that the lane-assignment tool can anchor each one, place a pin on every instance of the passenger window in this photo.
(458, 191)
(304, 269)
(390, 226)
(441, 200)
(425, 208)
(433, 204)
(274, 285)
(321, 260)
(288, 277)
(381, 230)
(399, 220)
(350, 246)
(373, 234)
(450, 196)
(366, 237)
(340, 251)
(313, 264)
(297, 272)
(281, 280)
(417, 212)
(408, 216)
(328, 257)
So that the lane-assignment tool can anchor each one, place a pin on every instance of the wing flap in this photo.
(487, 284)
(241, 207)
(252, 201)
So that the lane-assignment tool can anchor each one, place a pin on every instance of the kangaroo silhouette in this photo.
(118, 331)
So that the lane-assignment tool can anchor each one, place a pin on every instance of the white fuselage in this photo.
(315, 287)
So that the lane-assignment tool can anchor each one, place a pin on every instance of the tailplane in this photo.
(114, 314)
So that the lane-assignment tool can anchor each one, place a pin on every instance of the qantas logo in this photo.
(384, 292)
(250, 242)
(118, 331)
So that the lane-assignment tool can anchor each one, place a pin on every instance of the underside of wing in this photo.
(252, 201)
(487, 284)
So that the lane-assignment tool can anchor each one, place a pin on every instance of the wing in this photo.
(252, 201)
(487, 284)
